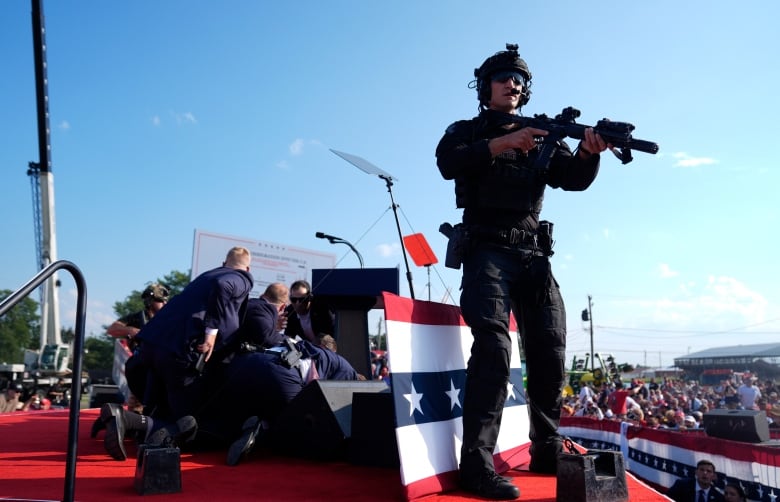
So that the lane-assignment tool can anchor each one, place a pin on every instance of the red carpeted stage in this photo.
(33, 455)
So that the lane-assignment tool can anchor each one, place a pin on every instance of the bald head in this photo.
(239, 258)
(277, 293)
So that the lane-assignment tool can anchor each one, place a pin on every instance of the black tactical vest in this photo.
(512, 183)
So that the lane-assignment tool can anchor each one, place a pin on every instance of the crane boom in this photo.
(53, 354)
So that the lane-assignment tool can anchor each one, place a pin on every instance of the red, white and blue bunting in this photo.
(428, 346)
(660, 456)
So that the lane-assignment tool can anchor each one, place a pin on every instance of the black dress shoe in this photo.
(490, 486)
(114, 442)
(174, 435)
(251, 431)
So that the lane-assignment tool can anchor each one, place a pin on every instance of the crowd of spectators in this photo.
(673, 403)
(14, 397)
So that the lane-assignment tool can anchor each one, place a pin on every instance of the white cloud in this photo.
(184, 118)
(722, 303)
(156, 120)
(65, 125)
(605, 233)
(666, 271)
(726, 294)
(98, 313)
(388, 250)
(685, 160)
(296, 148)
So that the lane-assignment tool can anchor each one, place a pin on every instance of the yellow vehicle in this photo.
(593, 371)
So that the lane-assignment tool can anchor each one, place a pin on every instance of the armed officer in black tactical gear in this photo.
(505, 253)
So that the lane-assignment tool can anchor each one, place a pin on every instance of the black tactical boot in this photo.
(490, 486)
(106, 412)
(173, 435)
(97, 426)
(251, 433)
(544, 455)
(115, 430)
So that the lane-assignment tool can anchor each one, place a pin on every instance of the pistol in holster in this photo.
(456, 246)
(544, 237)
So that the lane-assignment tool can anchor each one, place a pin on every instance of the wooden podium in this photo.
(351, 293)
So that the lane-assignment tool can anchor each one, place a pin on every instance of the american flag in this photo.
(428, 346)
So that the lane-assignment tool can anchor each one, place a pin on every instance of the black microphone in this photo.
(339, 240)
(320, 235)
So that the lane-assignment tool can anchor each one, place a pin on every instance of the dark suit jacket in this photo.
(214, 299)
(322, 321)
(687, 490)
(259, 326)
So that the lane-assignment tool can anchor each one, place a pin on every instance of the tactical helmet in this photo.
(507, 60)
(155, 292)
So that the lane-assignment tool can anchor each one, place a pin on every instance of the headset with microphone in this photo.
(509, 61)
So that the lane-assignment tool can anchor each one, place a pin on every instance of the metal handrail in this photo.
(78, 349)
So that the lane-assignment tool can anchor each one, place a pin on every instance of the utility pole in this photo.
(379, 334)
(587, 315)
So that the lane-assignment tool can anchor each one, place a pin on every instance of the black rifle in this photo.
(617, 134)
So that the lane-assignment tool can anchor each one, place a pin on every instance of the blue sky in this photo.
(176, 115)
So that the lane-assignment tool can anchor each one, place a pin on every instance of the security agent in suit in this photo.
(197, 326)
(259, 384)
(309, 318)
(262, 324)
(154, 298)
(699, 488)
(505, 255)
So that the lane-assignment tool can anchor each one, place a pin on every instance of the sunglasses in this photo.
(503, 76)
(296, 299)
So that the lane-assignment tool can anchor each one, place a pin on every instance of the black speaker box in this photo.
(318, 421)
(749, 426)
(373, 440)
(102, 394)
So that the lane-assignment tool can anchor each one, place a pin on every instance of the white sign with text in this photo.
(271, 261)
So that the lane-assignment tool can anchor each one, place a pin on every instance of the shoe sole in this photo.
(97, 426)
(243, 445)
(107, 411)
(508, 493)
(113, 443)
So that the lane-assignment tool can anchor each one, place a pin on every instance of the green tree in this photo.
(19, 329)
(100, 350)
(175, 281)
(99, 353)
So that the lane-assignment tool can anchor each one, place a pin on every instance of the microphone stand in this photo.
(339, 240)
(389, 183)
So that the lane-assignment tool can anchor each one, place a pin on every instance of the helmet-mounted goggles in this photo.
(503, 76)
